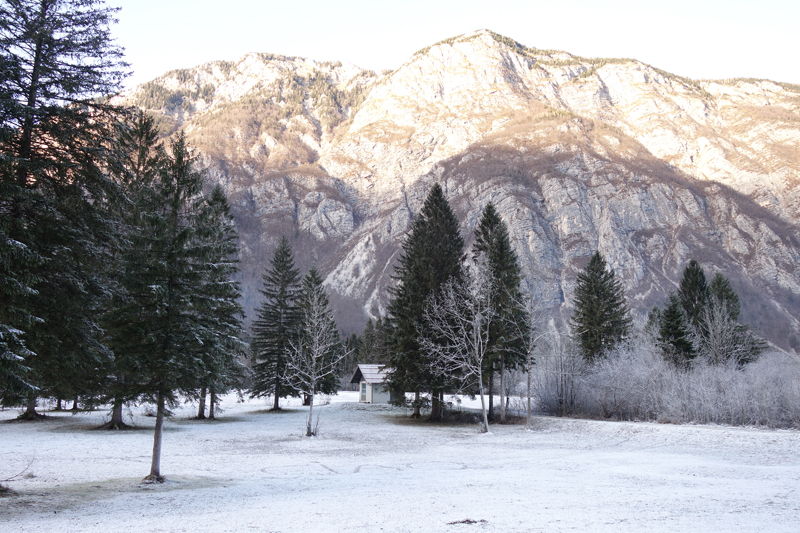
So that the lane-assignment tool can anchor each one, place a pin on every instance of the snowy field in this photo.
(373, 469)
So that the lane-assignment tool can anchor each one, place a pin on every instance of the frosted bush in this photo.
(635, 383)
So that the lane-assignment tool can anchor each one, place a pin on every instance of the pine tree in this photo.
(433, 253)
(137, 163)
(217, 299)
(277, 324)
(57, 57)
(693, 293)
(720, 290)
(600, 320)
(493, 241)
(674, 335)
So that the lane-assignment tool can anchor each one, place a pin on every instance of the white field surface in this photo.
(372, 469)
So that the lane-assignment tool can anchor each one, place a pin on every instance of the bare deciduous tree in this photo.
(313, 359)
(460, 320)
(721, 339)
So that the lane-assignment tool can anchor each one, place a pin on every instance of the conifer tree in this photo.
(57, 56)
(493, 241)
(673, 334)
(137, 163)
(432, 254)
(693, 292)
(720, 290)
(219, 310)
(277, 325)
(600, 319)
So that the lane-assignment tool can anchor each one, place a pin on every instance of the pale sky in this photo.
(697, 39)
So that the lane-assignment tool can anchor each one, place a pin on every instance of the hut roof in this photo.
(370, 373)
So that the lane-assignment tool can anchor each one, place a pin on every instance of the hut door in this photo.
(363, 391)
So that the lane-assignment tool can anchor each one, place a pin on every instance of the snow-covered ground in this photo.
(373, 469)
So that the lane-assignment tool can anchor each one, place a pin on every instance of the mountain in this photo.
(578, 154)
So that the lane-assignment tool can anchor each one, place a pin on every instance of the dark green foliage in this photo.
(600, 320)
(693, 292)
(720, 290)
(494, 243)
(219, 311)
(16, 265)
(432, 254)
(277, 324)
(57, 57)
(702, 320)
(372, 344)
(673, 334)
(161, 327)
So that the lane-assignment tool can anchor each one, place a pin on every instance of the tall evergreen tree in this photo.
(57, 57)
(693, 292)
(493, 241)
(219, 310)
(674, 335)
(433, 253)
(137, 164)
(720, 290)
(600, 320)
(277, 324)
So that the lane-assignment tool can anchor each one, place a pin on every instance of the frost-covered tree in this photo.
(458, 333)
(313, 357)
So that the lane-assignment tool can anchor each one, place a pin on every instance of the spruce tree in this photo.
(600, 320)
(693, 293)
(432, 254)
(277, 324)
(217, 300)
(137, 163)
(720, 290)
(674, 335)
(493, 241)
(57, 57)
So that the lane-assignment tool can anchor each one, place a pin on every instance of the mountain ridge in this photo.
(580, 154)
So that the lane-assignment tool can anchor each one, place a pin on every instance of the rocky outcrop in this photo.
(578, 154)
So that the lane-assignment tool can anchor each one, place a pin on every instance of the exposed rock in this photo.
(578, 154)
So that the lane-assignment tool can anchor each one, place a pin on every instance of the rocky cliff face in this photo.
(578, 154)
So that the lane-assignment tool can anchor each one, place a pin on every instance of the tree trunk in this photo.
(116, 416)
(212, 404)
(201, 411)
(436, 408)
(30, 411)
(276, 406)
(58, 404)
(75, 404)
(483, 408)
(502, 390)
(528, 423)
(416, 406)
(491, 393)
(309, 431)
(155, 467)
